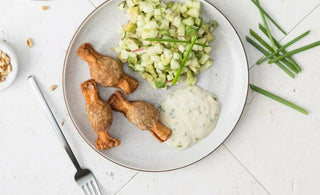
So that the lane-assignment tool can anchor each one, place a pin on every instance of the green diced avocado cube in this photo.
(121, 59)
(130, 27)
(205, 26)
(170, 4)
(122, 5)
(191, 30)
(201, 31)
(132, 60)
(198, 54)
(184, 15)
(147, 76)
(164, 32)
(198, 21)
(214, 25)
(209, 37)
(160, 82)
(150, 69)
(191, 79)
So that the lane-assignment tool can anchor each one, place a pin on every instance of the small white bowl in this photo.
(6, 48)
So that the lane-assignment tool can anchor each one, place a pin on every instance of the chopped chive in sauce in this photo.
(161, 109)
(179, 146)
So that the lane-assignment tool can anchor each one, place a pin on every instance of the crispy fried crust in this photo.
(142, 114)
(106, 70)
(161, 132)
(105, 141)
(99, 114)
(127, 84)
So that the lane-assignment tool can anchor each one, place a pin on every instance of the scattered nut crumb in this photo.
(62, 122)
(44, 7)
(53, 87)
(29, 42)
(9, 68)
(5, 66)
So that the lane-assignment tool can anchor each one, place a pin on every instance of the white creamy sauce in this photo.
(191, 113)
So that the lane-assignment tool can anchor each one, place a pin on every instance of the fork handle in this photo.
(53, 121)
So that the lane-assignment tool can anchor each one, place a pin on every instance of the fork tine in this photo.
(92, 192)
(95, 186)
(85, 190)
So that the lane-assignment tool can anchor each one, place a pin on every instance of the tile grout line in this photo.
(124, 185)
(292, 29)
(247, 170)
(302, 20)
(92, 3)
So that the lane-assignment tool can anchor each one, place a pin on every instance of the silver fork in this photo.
(83, 177)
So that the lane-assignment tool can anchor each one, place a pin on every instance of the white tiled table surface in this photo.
(273, 150)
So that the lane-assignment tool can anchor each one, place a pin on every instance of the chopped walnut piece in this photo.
(44, 7)
(5, 66)
(29, 42)
(53, 87)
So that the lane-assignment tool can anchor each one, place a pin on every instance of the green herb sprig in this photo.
(266, 53)
(193, 42)
(279, 99)
(301, 49)
(292, 61)
(266, 26)
(284, 47)
(175, 41)
(269, 17)
(267, 46)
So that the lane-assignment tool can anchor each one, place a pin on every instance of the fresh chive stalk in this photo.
(263, 51)
(193, 42)
(301, 49)
(284, 47)
(267, 46)
(269, 17)
(279, 99)
(290, 59)
(258, 38)
(175, 41)
(266, 25)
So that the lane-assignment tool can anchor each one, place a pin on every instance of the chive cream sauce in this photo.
(191, 113)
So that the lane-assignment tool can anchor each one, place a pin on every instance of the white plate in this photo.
(5, 47)
(227, 78)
